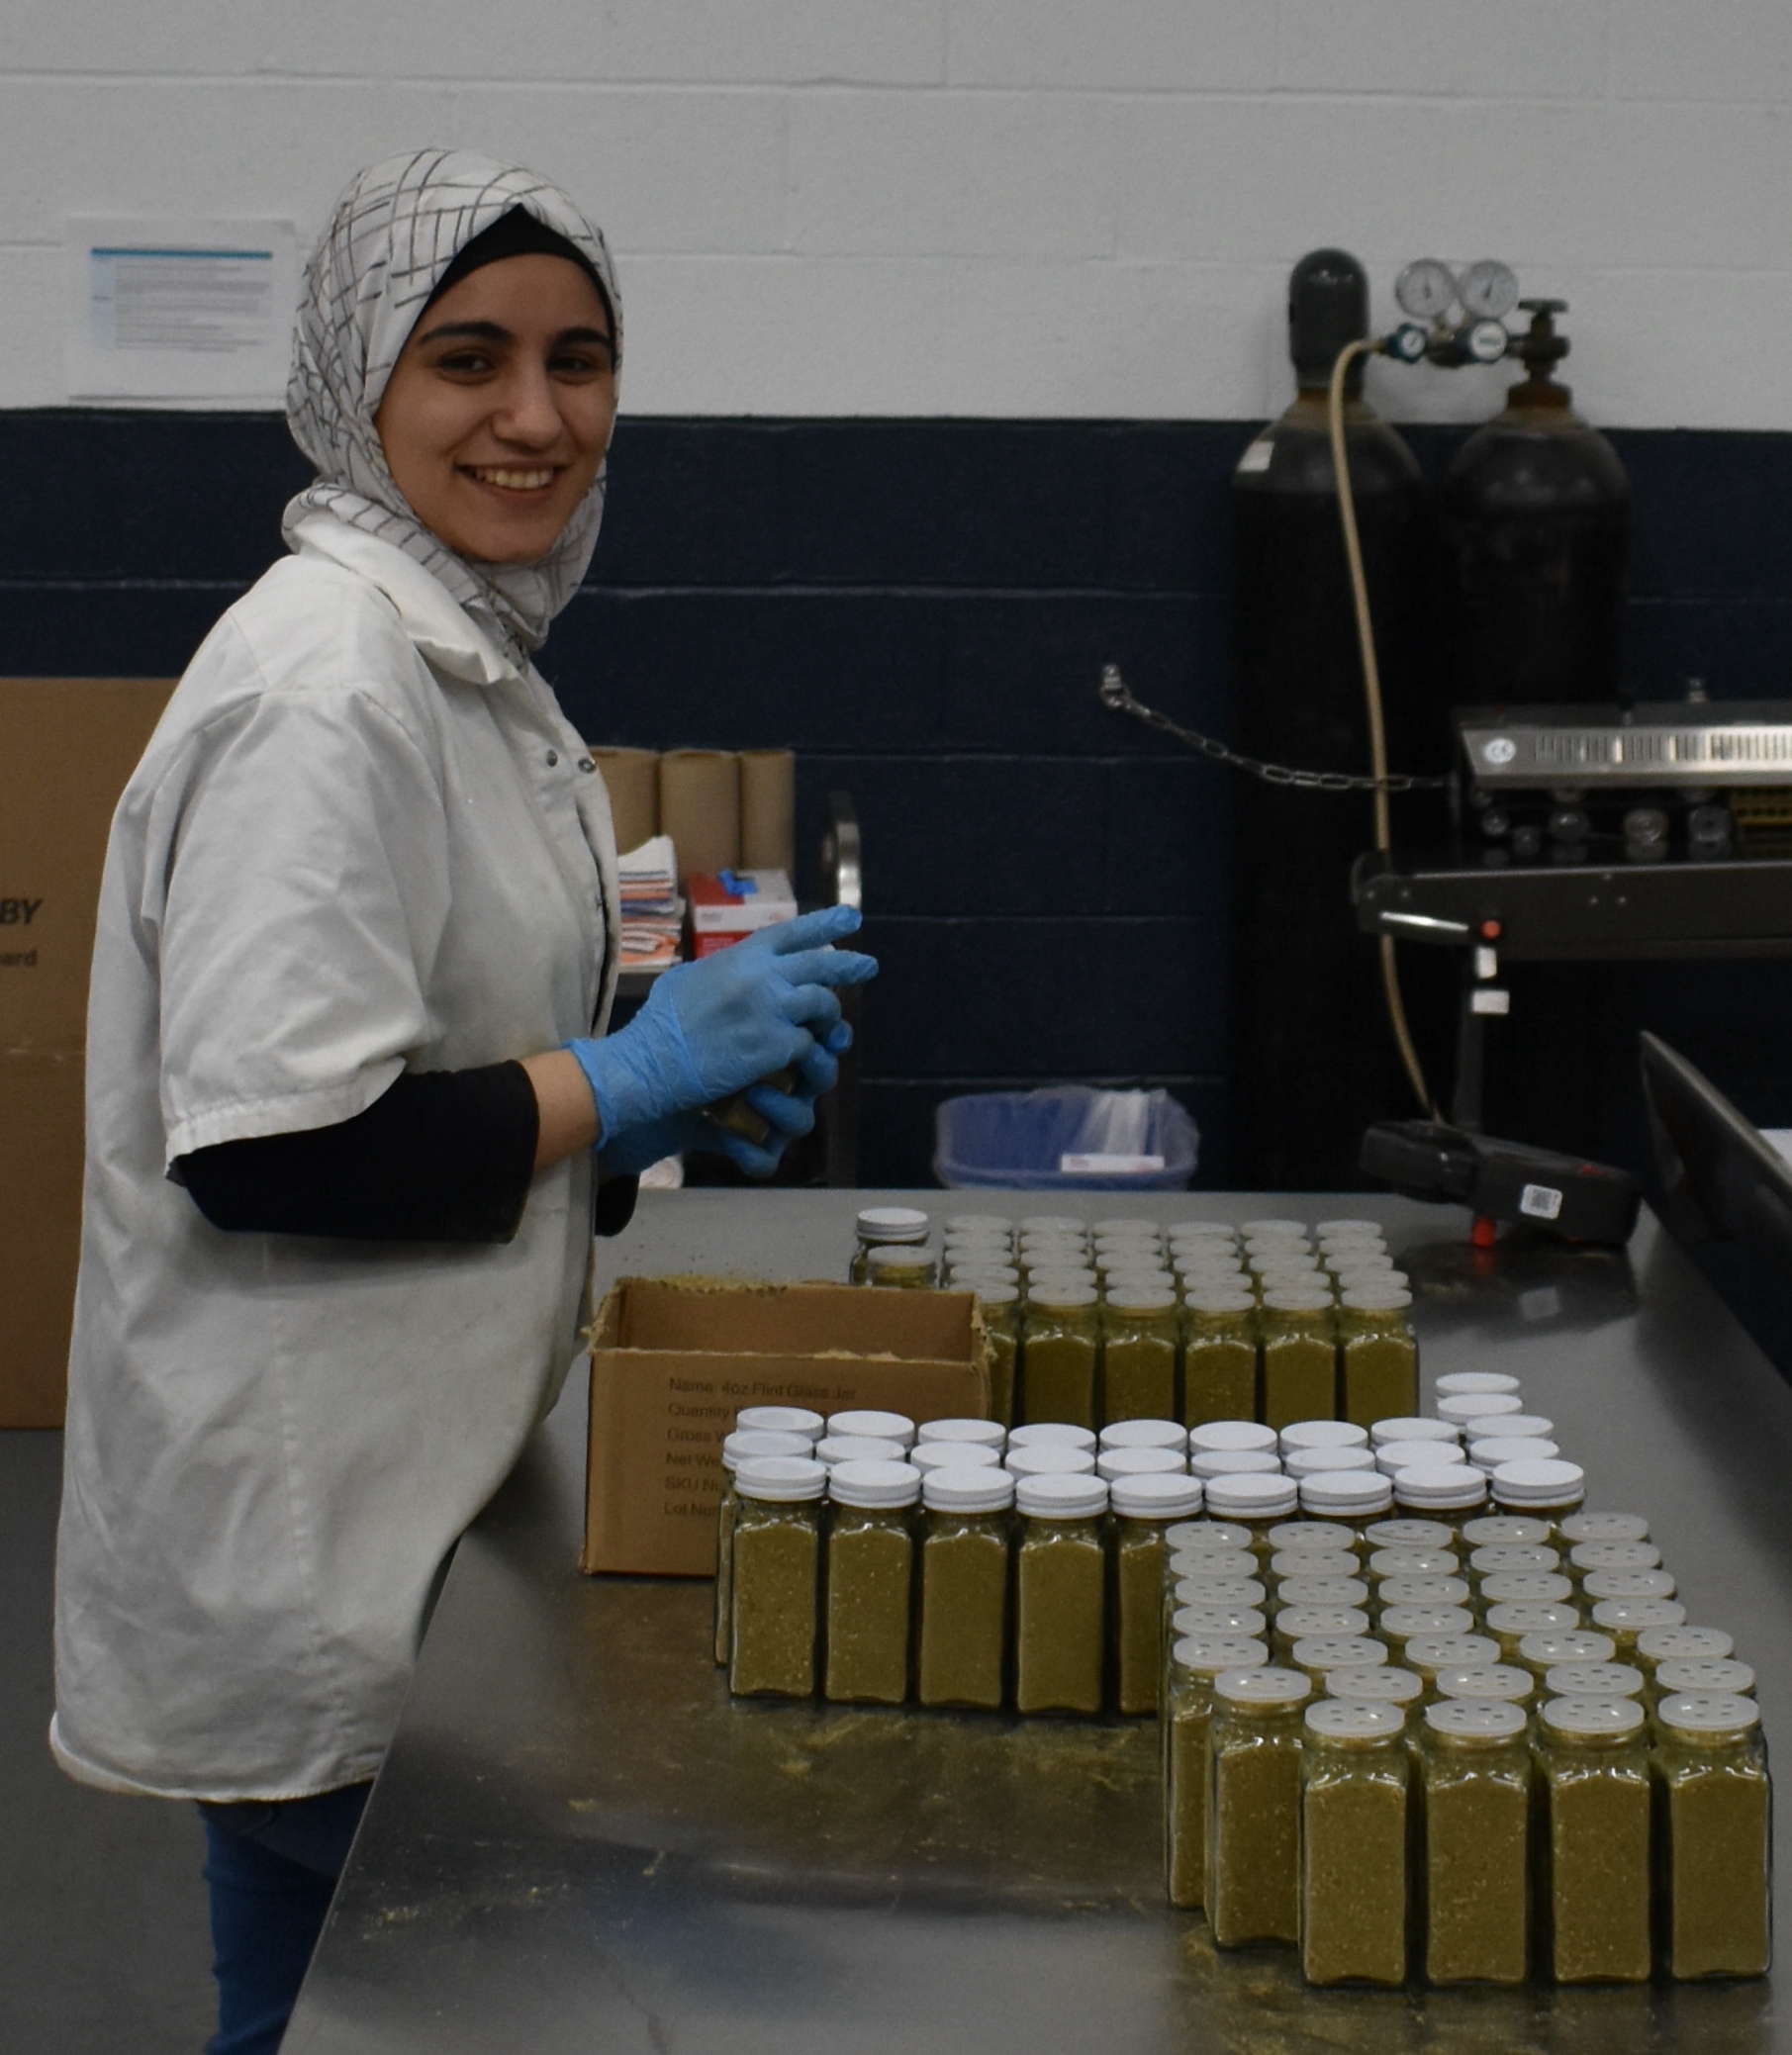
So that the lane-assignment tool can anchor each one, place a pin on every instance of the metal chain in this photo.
(1117, 698)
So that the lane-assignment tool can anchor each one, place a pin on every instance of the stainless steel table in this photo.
(578, 1843)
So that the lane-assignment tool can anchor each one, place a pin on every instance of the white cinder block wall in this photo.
(984, 206)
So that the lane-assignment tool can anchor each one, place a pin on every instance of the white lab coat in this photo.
(360, 841)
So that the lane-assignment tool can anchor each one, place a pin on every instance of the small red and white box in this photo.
(728, 906)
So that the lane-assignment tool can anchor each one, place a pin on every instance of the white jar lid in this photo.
(1328, 1623)
(1412, 1455)
(1451, 1652)
(1052, 1223)
(978, 1223)
(1164, 1495)
(1359, 1652)
(1511, 1426)
(1506, 1558)
(1051, 1459)
(1685, 1644)
(1407, 1622)
(1139, 1296)
(1457, 1383)
(1593, 1716)
(1506, 1527)
(745, 1442)
(781, 1479)
(1145, 1434)
(1341, 1719)
(1535, 1588)
(1355, 1493)
(1216, 1652)
(1347, 1228)
(872, 1484)
(1297, 1301)
(1217, 1301)
(1527, 1616)
(1216, 1619)
(1322, 1434)
(1477, 1719)
(1205, 1534)
(1218, 1588)
(1269, 1686)
(779, 1420)
(1623, 1615)
(960, 1488)
(1412, 1427)
(1605, 1526)
(1041, 1431)
(858, 1449)
(1436, 1560)
(1139, 1462)
(994, 1287)
(1615, 1555)
(1318, 1589)
(987, 1434)
(1311, 1462)
(1271, 1227)
(892, 1224)
(1541, 1483)
(1361, 1296)
(1061, 1294)
(1464, 1406)
(885, 1427)
(955, 1455)
(1313, 1536)
(1700, 1678)
(1388, 1687)
(1487, 1680)
(1423, 1591)
(1233, 1462)
(1351, 1278)
(1444, 1487)
(1544, 1651)
(1057, 1496)
(1592, 1680)
(1715, 1711)
(1486, 1456)
(1251, 1497)
(1346, 1255)
(1629, 1584)
(1232, 1434)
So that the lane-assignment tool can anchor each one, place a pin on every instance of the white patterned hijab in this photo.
(396, 229)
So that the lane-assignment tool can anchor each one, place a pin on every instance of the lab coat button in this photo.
(588, 762)
(553, 756)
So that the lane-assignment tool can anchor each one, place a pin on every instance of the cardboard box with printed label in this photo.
(674, 1358)
(67, 748)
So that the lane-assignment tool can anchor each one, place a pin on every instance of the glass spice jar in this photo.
(1593, 1767)
(1061, 1352)
(1716, 1807)
(998, 1306)
(962, 1646)
(1377, 1353)
(869, 1582)
(1299, 1356)
(885, 1227)
(1253, 1888)
(777, 1559)
(744, 1444)
(1186, 1732)
(1142, 1507)
(1219, 1355)
(1139, 1354)
(1353, 1843)
(905, 1269)
(1060, 1595)
(1474, 1784)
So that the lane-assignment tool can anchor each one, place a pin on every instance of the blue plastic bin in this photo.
(1014, 1141)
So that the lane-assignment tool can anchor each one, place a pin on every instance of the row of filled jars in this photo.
(1540, 1798)
(1124, 1326)
(962, 1564)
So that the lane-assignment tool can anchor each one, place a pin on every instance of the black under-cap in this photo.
(518, 233)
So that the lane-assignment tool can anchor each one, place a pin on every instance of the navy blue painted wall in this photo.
(921, 610)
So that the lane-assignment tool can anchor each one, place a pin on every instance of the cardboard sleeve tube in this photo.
(632, 776)
(700, 807)
(768, 811)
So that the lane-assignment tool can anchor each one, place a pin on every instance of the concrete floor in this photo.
(100, 1900)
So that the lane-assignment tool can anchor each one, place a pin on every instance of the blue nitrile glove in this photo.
(791, 1114)
(714, 1027)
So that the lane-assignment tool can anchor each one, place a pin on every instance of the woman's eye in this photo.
(464, 361)
(580, 364)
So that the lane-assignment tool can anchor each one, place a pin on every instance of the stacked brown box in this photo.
(67, 746)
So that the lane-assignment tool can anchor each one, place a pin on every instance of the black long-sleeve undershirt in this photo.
(441, 1155)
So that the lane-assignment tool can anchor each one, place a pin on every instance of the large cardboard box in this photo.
(674, 1358)
(40, 1229)
(67, 747)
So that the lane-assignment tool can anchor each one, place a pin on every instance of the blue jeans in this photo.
(272, 1869)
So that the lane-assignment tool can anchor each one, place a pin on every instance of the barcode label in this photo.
(1539, 1201)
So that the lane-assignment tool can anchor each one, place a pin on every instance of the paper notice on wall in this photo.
(165, 308)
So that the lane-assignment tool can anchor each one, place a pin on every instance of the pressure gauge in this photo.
(1489, 290)
(1484, 341)
(1427, 291)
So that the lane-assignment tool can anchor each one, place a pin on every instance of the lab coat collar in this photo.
(444, 634)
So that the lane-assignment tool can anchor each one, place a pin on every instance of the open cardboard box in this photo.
(673, 1360)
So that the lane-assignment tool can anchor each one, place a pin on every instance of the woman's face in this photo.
(496, 416)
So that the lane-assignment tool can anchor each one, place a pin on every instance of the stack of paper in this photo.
(652, 912)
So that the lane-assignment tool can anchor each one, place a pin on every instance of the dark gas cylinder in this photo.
(1311, 1060)
(1536, 514)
